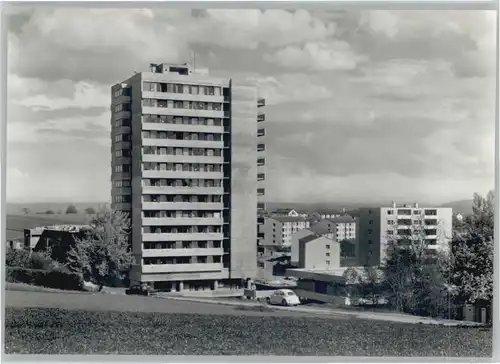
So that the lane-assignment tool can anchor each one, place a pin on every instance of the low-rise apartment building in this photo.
(381, 225)
(342, 227)
(277, 231)
(318, 252)
(313, 230)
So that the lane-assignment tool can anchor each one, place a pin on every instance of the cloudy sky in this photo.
(363, 105)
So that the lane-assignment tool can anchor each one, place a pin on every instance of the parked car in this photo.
(284, 297)
(141, 290)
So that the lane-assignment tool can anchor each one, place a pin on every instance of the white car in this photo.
(284, 297)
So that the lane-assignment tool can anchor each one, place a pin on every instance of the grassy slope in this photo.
(56, 331)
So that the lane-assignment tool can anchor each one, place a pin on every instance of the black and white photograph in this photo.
(303, 181)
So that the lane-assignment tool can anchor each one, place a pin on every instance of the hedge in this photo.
(51, 279)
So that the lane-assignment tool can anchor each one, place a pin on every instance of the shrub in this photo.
(17, 258)
(39, 260)
(52, 279)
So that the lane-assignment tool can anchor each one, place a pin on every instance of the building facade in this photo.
(382, 225)
(318, 252)
(277, 231)
(313, 230)
(185, 159)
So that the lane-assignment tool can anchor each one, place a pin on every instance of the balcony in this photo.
(181, 268)
(261, 102)
(182, 206)
(166, 158)
(157, 253)
(182, 112)
(182, 174)
(182, 237)
(181, 221)
(184, 127)
(166, 190)
(182, 96)
(189, 143)
(261, 117)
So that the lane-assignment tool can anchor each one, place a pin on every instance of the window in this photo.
(328, 246)
(370, 242)
(370, 222)
(209, 90)
(327, 254)
(149, 102)
(370, 231)
(390, 212)
(390, 232)
(327, 262)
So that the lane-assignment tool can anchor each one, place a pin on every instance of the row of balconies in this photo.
(185, 112)
(182, 221)
(182, 206)
(147, 253)
(182, 174)
(182, 158)
(151, 190)
(184, 128)
(188, 143)
(181, 268)
(147, 237)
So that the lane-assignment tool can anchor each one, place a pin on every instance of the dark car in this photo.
(140, 290)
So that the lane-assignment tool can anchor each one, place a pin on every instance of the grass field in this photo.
(17, 223)
(58, 331)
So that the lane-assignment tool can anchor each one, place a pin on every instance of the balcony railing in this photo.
(182, 221)
(177, 206)
(146, 253)
(176, 268)
(146, 237)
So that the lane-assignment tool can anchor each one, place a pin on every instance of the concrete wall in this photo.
(295, 244)
(243, 258)
(320, 253)
(273, 232)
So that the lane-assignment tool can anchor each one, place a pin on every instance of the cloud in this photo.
(56, 95)
(332, 55)
(361, 105)
(141, 37)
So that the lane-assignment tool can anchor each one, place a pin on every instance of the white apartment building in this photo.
(182, 168)
(378, 226)
(342, 227)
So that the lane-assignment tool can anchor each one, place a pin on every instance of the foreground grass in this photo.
(56, 331)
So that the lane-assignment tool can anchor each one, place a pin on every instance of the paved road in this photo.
(107, 302)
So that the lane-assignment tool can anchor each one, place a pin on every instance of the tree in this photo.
(103, 253)
(90, 211)
(71, 210)
(472, 248)
(414, 274)
(49, 212)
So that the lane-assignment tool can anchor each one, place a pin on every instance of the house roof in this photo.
(318, 229)
(288, 218)
(342, 219)
(309, 238)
